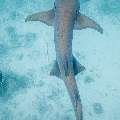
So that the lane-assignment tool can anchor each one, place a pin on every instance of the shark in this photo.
(65, 17)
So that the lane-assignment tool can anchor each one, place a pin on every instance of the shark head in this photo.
(72, 6)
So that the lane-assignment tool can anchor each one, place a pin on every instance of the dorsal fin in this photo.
(46, 17)
(83, 22)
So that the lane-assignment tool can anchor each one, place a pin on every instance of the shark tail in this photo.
(74, 96)
(71, 86)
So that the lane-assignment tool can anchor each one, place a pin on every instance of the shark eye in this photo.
(54, 6)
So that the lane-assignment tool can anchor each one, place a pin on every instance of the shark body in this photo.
(65, 17)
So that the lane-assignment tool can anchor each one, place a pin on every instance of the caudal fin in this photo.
(71, 85)
(73, 92)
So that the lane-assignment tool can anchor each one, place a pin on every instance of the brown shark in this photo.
(65, 17)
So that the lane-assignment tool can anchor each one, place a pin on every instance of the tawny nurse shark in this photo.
(65, 17)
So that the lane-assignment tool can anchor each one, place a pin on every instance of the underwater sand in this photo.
(27, 54)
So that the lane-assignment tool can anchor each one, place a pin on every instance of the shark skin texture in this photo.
(65, 17)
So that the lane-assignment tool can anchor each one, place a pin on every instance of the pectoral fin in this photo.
(83, 22)
(46, 17)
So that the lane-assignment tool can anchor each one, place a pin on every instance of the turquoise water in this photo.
(27, 92)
